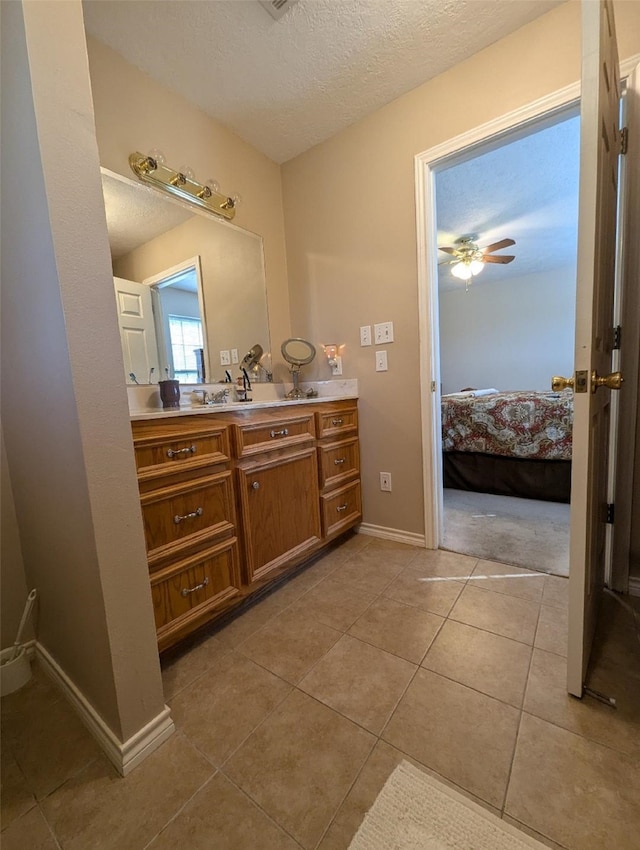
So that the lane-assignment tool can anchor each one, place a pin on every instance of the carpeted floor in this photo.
(523, 532)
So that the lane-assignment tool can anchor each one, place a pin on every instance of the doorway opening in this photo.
(497, 439)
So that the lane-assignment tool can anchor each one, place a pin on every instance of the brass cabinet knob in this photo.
(613, 381)
(559, 383)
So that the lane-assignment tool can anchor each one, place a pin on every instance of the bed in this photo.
(511, 444)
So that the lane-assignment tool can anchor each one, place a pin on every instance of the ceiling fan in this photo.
(469, 259)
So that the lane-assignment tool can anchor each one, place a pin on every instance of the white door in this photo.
(599, 150)
(137, 330)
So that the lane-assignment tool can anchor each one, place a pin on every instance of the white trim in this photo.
(548, 106)
(634, 585)
(395, 534)
(627, 65)
(123, 755)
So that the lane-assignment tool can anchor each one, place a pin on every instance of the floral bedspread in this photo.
(534, 425)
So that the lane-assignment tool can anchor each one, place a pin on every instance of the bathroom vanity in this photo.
(234, 497)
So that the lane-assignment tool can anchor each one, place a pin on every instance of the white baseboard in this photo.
(395, 534)
(634, 585)
(123, 755)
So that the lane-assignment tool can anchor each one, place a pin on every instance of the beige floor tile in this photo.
(360, 681)
(546, 842)
(552, 633)
(334, 603)
(299, 764)
(435, 595)
(439, 562)
(16, 798)
(223, 817)
(291, 590)
(482, 660)
(99, 810)
(30, 832)
(504, 615)
(50, 744)
(290, 645)
(37, 694)
(401, 629)
(574, 791)
(248, 622)
(370, 570)
(353, 543)
(556, 592)
(225, 705)
(403, 553)
(182, 670)
(463, 735)
(547, 698)
(513, 581)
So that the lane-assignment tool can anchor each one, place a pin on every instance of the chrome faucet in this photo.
(213, 398)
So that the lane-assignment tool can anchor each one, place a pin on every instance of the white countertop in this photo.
(144, 401)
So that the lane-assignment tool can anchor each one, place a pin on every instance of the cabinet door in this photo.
(281, 510)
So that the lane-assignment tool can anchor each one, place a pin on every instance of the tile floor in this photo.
(290, 719)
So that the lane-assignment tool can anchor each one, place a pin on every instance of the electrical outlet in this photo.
(336, 369)
(234, 355)
(365, 335)
(381, 361)
(225, 358)
(383, 332)
(385, 481)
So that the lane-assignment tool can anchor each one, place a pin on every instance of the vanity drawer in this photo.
(253, 438)
(171, 447)
(338, 462)
(193, 587)
(337, 422)
(187, 514)
(341, 509)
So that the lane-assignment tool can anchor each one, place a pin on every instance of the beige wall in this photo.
(12, 580)
(132, 114)
(65, 413)
(351, 236)
(233, 285)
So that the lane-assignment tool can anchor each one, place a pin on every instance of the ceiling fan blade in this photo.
(495, 246)
(448, 250)
(500, 258)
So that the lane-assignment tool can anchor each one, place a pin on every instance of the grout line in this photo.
(182, 807)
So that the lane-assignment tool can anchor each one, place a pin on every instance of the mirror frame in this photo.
(298, 361)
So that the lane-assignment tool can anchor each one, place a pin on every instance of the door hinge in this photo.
(611, 511)
(624, 140)
(617, 337)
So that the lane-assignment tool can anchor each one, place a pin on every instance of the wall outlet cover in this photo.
(336, 369)
(225, 358)
(381, 361)
(385, 481)
(365, 335)
(234, 355)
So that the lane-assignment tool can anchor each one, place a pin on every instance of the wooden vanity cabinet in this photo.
(233, 500)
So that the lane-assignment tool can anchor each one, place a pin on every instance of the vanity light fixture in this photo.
(153, 170)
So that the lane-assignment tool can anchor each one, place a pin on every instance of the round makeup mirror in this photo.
(252, 357)
(298, 352)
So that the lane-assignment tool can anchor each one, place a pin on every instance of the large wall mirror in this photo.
(190, 289)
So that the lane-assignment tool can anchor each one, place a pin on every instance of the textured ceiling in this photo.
(526, 190)
(287, 85)
(136, 214)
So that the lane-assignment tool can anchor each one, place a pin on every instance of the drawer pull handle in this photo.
(339, 461)
(341, 508)
(190, 450)
(336, 422)
(187, 590)
(256, 485)
(178, 519)
(283, 433)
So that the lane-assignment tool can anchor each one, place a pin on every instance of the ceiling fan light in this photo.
(476, 267)
(462, 271)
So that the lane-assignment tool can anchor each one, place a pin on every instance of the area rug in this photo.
(416, 812)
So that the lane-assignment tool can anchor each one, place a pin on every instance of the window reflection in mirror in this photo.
(154, 239)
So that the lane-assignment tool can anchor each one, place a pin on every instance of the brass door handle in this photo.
(613, 381)
(559, 383)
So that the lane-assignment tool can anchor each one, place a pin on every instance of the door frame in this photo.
(425, 166)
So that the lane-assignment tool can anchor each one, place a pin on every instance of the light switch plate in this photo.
(234, 355)
(381, 361)
(225, 358)
(365, 335)
(383, 332)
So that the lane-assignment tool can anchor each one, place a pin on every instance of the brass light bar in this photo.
(149, 170)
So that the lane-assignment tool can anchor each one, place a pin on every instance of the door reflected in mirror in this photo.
(190, 289)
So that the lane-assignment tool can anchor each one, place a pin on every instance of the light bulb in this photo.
(158, 156)
(461, 271)
(476, 267)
